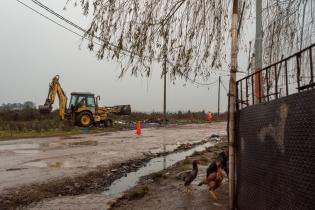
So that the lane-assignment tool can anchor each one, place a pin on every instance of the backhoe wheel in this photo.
(84, 119)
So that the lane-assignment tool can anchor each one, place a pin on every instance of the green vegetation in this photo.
(196, 153)
(23, 120)
(179, 117)
(17, 106)
(187, 161)
(203, 160)
(28, 123)
(138, 193)
(185, 167)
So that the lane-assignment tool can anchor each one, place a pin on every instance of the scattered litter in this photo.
(214, 138)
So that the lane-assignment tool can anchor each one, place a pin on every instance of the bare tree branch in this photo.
(193, 31)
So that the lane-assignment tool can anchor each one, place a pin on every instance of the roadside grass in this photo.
(157, 175)
(203, 160)
(8, 135)
(196, 153)
(185, 167)
(187, 161)
(29, 123)
(138, 193)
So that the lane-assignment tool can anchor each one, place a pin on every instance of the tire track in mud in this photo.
(91, 182)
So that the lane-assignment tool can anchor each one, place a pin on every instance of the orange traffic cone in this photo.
(138, 130)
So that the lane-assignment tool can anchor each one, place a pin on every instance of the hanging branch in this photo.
(131, 32)
(284, 26)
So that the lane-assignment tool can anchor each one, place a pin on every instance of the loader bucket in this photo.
(44, 109)
(125, 110)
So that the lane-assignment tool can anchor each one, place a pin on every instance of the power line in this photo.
(204, 84)
(79, 27)
(64, 27)
(58, 15)
(85, 31)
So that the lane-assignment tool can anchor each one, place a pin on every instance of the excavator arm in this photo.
(55, 89)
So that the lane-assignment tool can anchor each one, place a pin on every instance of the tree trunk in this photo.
(232, 106)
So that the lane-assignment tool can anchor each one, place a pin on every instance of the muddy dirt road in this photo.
(159, 191)
(164, 190)
(28, 161)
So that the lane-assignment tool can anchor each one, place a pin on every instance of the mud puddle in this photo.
(61, 164)
(26, 151)
(95, 181)
(21, 148)
(18, 146)
(154, 165)
(154, 190)
(121, 183)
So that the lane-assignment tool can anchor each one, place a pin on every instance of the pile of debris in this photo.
(215, 138)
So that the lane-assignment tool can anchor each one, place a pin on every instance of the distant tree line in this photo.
(24, 117)
(179, 116)
(17, 106)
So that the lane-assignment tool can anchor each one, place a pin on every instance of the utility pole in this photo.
(164, 101)
(258, 40)
(219, 97)
(232, 104)
(303, 20)
(164, 71)
(258, 50)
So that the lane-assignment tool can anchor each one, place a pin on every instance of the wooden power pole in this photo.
(164, 101)
(232, 104)
(219, 97)
(258, 52)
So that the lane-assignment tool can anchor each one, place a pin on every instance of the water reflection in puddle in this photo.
(153, 166)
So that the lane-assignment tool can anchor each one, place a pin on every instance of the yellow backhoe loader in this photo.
(83, 109)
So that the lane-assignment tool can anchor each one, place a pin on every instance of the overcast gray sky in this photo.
(33, 50)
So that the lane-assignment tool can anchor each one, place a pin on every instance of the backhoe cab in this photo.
(83, 109)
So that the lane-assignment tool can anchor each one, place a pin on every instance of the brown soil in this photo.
(88, 183)
(164, 191)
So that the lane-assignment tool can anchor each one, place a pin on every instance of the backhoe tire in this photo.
(84, 119)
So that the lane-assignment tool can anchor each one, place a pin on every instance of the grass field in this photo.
(29, 123)
(7, 134)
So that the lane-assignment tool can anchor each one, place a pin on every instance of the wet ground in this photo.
(164, 190)
(161, 190)
(154, 165)
(28, 162)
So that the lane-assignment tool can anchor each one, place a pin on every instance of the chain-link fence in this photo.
(275, 156)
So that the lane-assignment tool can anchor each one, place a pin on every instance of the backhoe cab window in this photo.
(82, 101)
(73, 101)
(90, 101)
